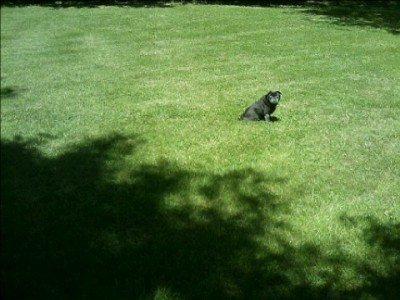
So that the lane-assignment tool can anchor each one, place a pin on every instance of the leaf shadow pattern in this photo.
(384, 238)
(381, 14)
(71, 229)
(384, 14)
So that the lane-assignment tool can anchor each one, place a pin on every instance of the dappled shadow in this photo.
(88, 3)
(384, 238)
(73, 228)
(378, 14)
(146, 3)
(384, 14)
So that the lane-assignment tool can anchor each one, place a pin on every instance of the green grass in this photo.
(125, 173)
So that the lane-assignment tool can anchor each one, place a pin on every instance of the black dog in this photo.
(262, 108)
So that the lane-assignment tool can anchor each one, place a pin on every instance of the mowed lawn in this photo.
(125, 173)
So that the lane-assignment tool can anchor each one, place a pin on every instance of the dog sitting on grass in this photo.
(262, 108)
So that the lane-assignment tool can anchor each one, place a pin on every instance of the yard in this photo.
(125, 173)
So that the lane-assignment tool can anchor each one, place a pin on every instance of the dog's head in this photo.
(273, 97)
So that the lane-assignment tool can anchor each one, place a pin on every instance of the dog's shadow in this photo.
(274, 119)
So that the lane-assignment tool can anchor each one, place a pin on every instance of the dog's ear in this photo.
(280, 94)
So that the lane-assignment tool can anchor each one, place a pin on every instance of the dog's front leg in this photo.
(267, 117)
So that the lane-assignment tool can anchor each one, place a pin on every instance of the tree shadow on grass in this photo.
(72, 229)
(384, 239)
(377, 14)
(88, 3)
(147, 3)
(384, 14)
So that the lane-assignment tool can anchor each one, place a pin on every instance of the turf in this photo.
(125, 173)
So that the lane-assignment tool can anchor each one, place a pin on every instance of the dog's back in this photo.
(255, 111)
